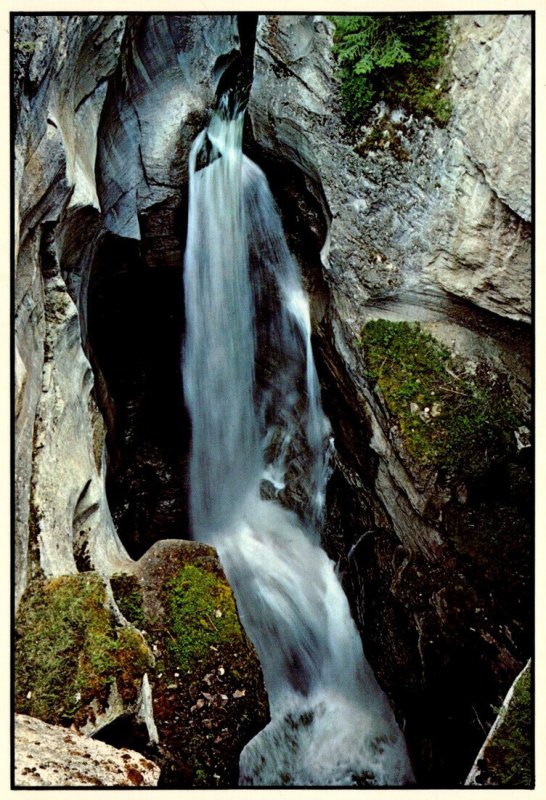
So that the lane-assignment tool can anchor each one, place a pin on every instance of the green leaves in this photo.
(392, 57)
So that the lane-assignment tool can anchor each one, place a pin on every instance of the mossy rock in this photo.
(70, 653)
(208, 692)
(463, 424)
(507, 759)
(128, 596)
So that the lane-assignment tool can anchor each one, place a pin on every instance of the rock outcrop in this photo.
(442, 218)
(51, 757)
(208, 693)
(154, 658)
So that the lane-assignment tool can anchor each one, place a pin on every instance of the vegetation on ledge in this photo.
(397, 58)
(507, 759)
(446, 417)
(69, 651)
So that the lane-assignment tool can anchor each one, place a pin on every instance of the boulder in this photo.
(50, 756)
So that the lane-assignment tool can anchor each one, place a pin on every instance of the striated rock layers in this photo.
(433, 226)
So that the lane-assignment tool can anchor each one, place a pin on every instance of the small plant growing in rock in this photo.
(397, 58)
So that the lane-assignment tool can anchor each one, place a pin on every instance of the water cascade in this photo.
(254, 400)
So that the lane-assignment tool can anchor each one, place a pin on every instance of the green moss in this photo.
(69, 652)
(202, 615)
(468, 423)
(508, 757)
(398, 58)
(24, 46)
(128, 596)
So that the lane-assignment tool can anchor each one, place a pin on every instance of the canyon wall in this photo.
(432, 226)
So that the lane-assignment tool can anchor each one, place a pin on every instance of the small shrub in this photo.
(398, 58)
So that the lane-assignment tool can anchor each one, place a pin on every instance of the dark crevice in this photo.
(135, 327)
(237, 68)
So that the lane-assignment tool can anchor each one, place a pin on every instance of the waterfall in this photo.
(254, 399)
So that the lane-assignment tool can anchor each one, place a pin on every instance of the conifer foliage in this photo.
(398, 58)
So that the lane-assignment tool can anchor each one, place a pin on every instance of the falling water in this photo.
(254, 399)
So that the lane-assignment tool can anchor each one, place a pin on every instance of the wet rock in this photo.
(157, 102)
(438, 237)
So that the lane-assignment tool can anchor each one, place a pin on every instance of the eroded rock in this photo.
(52, 756)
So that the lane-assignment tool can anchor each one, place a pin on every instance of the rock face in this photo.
(60, 510)
(50, 756)
(442, 220)
(156, 103)
(89, 172)
(437, 231)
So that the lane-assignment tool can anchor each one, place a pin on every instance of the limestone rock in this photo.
(155, 106)
(440, 220)
(51, 756)
(60, 68)
(492, 98)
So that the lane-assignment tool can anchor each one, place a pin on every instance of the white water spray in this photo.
(252, 392)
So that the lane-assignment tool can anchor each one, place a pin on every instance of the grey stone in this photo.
(51, 756)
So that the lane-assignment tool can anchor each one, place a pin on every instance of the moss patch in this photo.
(128, 596)
(446, 418)
(69, 651)
(208, 693)
(508, 757)
(202, 615)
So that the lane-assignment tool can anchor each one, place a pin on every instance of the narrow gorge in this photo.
(273, 518)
